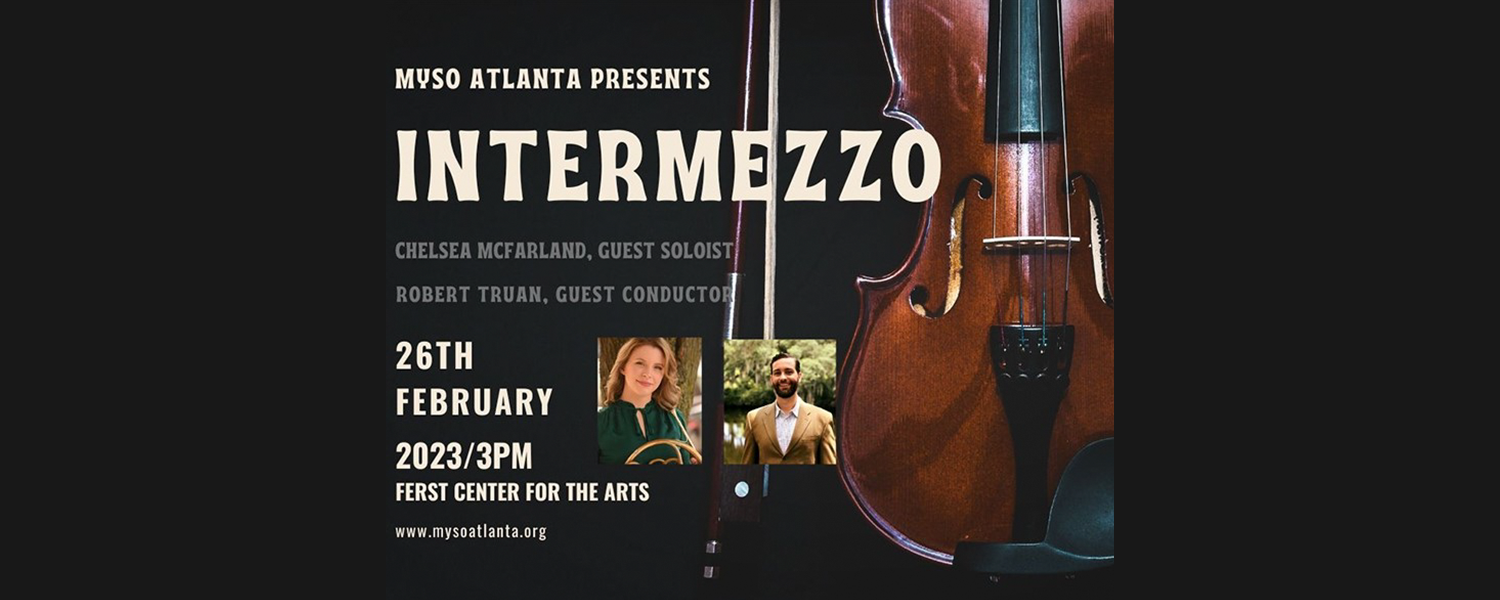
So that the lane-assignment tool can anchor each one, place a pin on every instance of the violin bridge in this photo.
(1030, 241)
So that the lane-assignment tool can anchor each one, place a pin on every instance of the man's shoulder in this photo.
(819, 413)
(755, 412)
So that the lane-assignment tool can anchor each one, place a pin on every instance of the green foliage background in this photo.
(747, 371)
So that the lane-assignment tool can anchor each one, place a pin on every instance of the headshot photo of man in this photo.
(789, 430)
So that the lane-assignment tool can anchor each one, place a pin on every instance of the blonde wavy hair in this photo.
(667, 395)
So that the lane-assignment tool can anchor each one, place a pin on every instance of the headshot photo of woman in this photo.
(643, 414)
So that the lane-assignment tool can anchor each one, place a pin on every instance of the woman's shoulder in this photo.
(610, 411)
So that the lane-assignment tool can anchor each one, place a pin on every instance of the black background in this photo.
(833, 77)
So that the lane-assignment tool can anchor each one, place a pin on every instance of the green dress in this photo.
(620, 434)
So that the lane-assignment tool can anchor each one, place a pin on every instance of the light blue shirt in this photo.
(785, 423)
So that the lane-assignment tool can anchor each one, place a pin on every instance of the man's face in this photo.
(784, 377)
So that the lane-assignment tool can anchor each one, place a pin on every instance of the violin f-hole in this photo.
(1096, 231)
(986, 189)
(919, 293)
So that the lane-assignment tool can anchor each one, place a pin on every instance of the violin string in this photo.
(1041, 144)
(994, 84)
(992, 74)
(1016, 164)
(1067, 188)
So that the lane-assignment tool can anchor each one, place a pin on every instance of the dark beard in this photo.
(789, 394)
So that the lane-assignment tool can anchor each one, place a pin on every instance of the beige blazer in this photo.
(813, 441)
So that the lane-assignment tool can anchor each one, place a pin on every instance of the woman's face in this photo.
(644, 370)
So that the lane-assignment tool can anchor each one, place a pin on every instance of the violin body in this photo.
(928, 427)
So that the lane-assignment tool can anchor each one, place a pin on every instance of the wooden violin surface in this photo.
(927, 449)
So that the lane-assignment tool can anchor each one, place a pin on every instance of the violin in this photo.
(985, 363)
